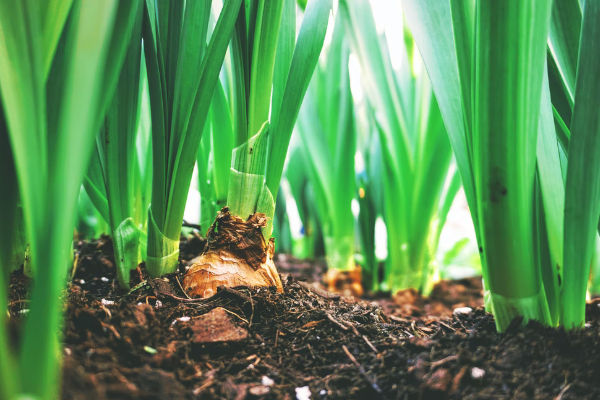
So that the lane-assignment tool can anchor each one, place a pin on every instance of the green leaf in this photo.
(563, 41)
(305, 57)
(582, 200)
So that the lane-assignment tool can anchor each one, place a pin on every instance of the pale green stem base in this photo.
(126, 241)
(163, 252)
(339, 253)
(505, 309)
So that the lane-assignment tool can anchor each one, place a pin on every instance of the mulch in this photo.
(154, 343)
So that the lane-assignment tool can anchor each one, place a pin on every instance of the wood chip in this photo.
(217, 326)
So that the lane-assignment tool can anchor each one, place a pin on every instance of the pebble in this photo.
(158, 304)
(477, 373)
(107, 302)
(259, 390)
(302, 393)
(266, 381)
(180, 319)
(462, 310)
(104, 279)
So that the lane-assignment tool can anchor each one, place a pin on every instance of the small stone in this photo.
(323, 392)
(217, 326)
(266, 381)
(82, 281)
(104, 279)
(107, 302)
(477, 373)
(260, 390)
(302, 393)
(462, 310)
(158, 304)
(588, 325)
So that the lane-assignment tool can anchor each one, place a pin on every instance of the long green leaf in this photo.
(305, 57)
(582, 200)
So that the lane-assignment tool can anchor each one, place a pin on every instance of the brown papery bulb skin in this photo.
(236, 254)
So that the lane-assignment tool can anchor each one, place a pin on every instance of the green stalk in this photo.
(326, 126)
(268, 91)
(214, 158)
(8, 212)
(52, 114)
(370, 199)
(506, 97)
(582, 200)
(415, 150)
(182, 74)
(114, 163)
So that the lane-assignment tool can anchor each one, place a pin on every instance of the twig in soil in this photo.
(12, 303)
(336, 322)
(368, 342)
(183, 299)
(137, 287)
(203, 387)
(397, 319)
(241, 319)
(111, 328)
(75, 265)
(562, 392)
(319, 292)
(181, 287)
(447, 326)
(140, 274)
(236, 293)
(362, 371)
(443, 361)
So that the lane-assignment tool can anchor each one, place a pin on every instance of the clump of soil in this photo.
(155, 343)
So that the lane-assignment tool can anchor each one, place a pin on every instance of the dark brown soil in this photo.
(152, 343)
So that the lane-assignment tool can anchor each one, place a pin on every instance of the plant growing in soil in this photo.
(419, 185)
(296, 216)
(536, 229)
(59, 65)
(182, 73)
(114, 181)
(270, 74)
(327, 129)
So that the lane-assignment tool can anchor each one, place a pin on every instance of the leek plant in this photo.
(535, 204)
(214, 156)
(59, 64)
(182, 73)
(327, 129)
(114, 176)
(370, 201)
(419, 185)
(270, 72)
(299, 206)
(90, 223)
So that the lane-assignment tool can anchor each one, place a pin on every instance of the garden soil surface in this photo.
(154, 343)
